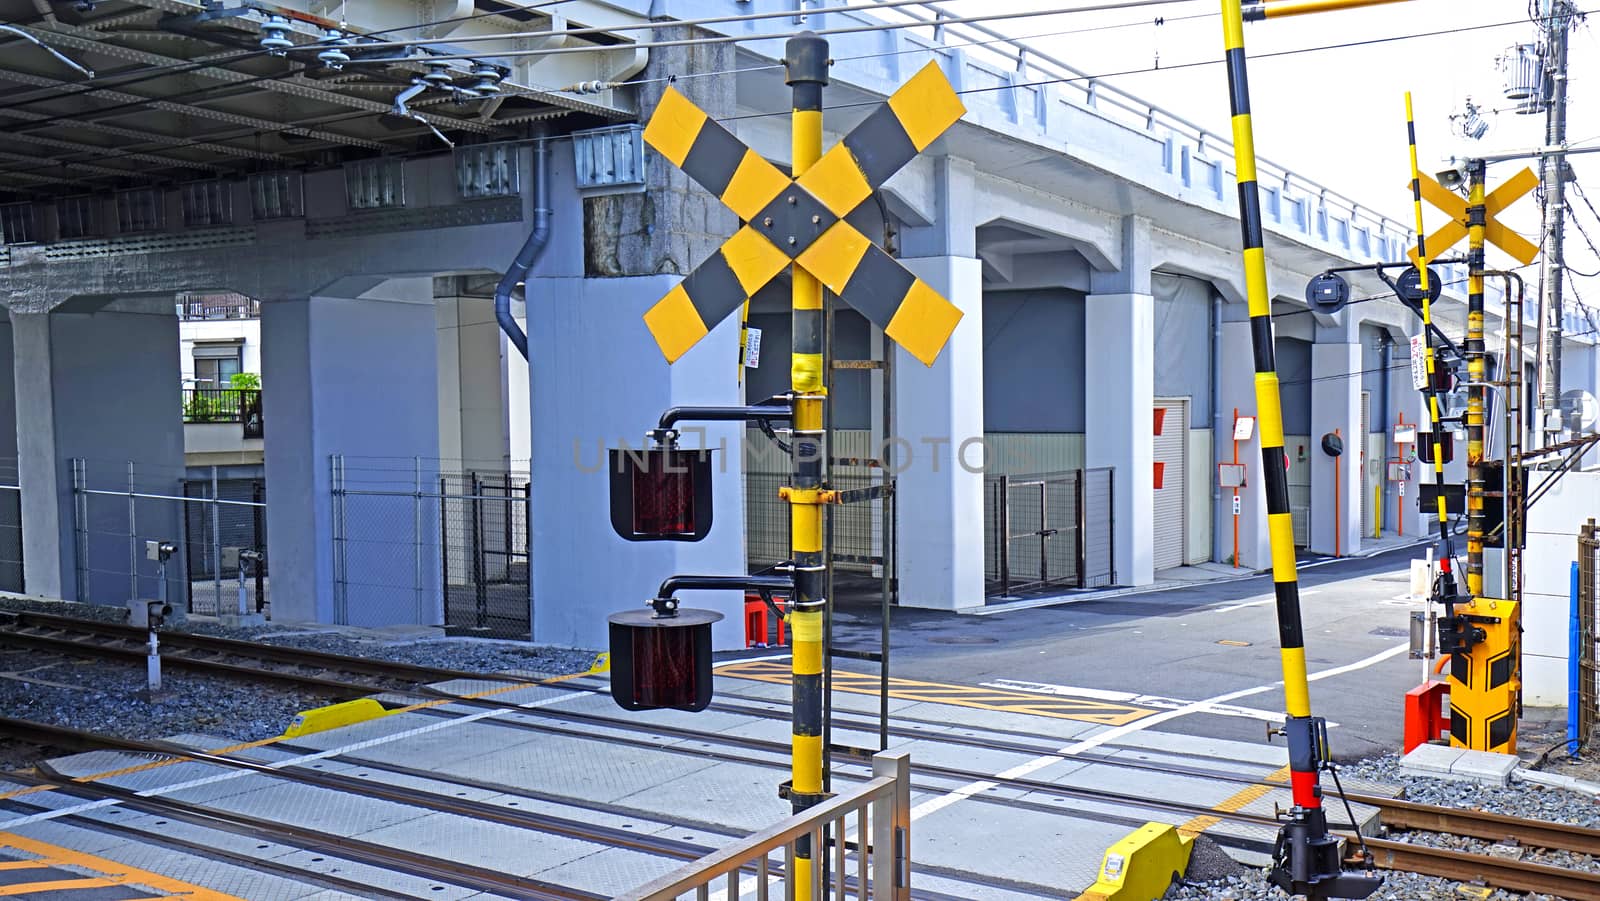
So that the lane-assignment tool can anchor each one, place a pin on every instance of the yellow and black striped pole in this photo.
(1307, 858)
(1477, 376)
(1436, 436)
(806, 59)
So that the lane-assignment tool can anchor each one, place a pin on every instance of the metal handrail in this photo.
(887, 795)
(1148, 115)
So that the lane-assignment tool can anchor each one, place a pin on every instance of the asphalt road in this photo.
(1215, 641)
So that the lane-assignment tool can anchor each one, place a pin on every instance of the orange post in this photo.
(1236, 490)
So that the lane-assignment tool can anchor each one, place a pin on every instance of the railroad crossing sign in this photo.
(1455, 206)
(801, 220)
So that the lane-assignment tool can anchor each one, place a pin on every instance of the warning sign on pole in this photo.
(1419, 363)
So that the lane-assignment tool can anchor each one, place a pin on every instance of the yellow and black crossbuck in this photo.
(801, 221)
(1455, 206)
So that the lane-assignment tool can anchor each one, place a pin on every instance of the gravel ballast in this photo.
(107, 696)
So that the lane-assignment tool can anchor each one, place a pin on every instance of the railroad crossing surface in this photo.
(1020, 778)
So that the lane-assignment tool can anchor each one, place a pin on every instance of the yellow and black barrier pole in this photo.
(1307, 858)
(1436, 436)
(806, 62)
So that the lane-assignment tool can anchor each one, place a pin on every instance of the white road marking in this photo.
(1093, 741)
(289, 761)
(1261, 603)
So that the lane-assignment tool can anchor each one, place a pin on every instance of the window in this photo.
(215, 365)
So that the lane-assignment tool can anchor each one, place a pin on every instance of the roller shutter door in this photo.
(1171, 440)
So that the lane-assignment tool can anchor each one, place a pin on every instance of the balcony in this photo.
(212, 307)
(223, 406)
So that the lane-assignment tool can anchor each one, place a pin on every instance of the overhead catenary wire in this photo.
(146, 73)
(55, 161)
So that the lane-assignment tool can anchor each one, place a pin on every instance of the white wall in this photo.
(1552, 547)
(246, 330)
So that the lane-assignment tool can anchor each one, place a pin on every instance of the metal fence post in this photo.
(80, 484)
(1003, 521)
(480, 590)
(336, 498)
(416, 533)
(1111, 519)
(133, 538)
(216, 542)
(258, 526)
(1082, 529)
(527, 546)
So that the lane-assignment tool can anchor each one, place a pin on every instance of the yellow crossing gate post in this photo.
(797, 222)
(1481, 634)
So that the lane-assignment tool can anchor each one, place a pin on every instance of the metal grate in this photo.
(19, 223)
(487, 170)
(1051, 529)
(207, 203)
(140, 210)
(277, 195)
(609, 160)
(375, 184)
(79, 217)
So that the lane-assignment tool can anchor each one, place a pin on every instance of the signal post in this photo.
(797, 222)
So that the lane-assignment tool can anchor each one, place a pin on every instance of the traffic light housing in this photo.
(661, 661)
(661, 494)
(1447, 448)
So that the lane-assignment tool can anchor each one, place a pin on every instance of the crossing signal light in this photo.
(1447, 448)
(662, 660)
(661, 494)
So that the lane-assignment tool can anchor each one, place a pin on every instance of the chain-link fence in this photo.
(417, 540)
(10, 525)
(1051, 529)
(122, 512)
(859, 543)
(225, 543)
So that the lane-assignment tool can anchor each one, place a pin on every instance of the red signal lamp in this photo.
(661, 494)
(662, 661)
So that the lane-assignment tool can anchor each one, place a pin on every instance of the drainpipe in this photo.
(1385, 354)
(1220, 431)
(531, 249)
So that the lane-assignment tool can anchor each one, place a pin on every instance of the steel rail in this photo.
(519, 818)
(1495, 827)
(372, 853)
(216, 851)
(1462, 866)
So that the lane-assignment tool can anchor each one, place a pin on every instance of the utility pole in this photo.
(1556, 18)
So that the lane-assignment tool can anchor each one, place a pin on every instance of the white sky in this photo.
(1338, 116)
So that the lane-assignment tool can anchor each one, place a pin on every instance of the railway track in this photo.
(344, 676)
(398, 859)
(1487, 869)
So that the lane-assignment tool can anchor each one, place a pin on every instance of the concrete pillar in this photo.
(1236, 389)
(938, 424)
(1336, 481)
(351, 371)
(599, 382)
(1119, 339)
(472, 384)
(101, 385)
(10, 498)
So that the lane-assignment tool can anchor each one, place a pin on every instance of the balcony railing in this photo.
(195, 307)
(224, 405)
